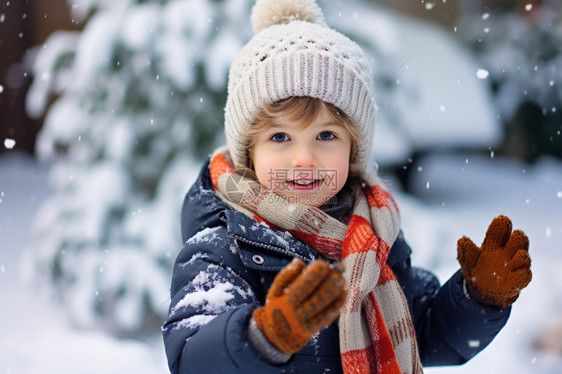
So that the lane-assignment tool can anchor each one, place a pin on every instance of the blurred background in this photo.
(108, 109)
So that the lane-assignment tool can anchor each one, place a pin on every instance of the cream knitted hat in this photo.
(294, 53)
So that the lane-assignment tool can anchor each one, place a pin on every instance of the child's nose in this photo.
(304, 157)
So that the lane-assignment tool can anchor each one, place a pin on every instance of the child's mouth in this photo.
(304, 184)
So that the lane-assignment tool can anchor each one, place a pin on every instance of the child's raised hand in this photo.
(498, 270)
(302, 300)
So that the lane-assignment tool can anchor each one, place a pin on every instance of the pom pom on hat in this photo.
(266, 13)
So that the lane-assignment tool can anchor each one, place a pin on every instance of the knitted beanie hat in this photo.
(294, 53)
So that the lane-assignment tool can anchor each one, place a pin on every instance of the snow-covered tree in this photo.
(138, 97)
(519, 52)
(137, 101)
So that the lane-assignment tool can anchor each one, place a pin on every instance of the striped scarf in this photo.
(375, 327)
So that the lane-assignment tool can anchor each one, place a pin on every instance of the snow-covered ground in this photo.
(460, 196)
(36, 335)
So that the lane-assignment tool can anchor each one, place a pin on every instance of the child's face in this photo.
(307, 165)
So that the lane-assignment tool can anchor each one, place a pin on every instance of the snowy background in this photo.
(89, 227)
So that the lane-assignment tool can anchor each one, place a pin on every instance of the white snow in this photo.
(482, 73)
(463, 198)
(214, 298)
(440, 67)
(37, 336)
(9, 143)
(194, 321)
(59, 43)
(209, 292)
(95, 47)
(178, 55)
(207, 235)
(140, 26)
(218, 57)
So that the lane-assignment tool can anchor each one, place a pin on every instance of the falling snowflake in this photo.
(9, 143)
(482, 73)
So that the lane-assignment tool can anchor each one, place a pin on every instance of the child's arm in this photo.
(456, 321)
(208, 329)
(451, 328)
(211, 306)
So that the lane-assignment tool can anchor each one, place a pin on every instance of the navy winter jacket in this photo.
(227, 265)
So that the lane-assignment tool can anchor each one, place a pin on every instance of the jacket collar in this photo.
(241, 227)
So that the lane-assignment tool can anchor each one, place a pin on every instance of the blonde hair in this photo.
(303, 109)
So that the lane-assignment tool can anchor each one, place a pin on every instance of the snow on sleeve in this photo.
(209, 293)
(194, 321)
(214, 298)
(207, 235)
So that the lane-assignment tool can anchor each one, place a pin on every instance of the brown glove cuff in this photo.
(263, 347)
(470, 295)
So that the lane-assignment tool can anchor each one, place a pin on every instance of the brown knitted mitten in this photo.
(498, 270)
(301, 301)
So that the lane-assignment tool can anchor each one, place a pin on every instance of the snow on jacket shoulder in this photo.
(228, 263)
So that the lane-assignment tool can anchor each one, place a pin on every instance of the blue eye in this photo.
(280, 137)
(326, 135)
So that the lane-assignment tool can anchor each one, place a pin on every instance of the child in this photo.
(294, 261)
